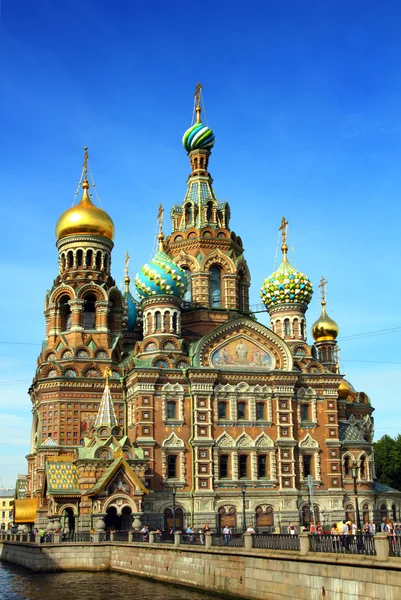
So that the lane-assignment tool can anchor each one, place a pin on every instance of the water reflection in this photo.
(19, 584)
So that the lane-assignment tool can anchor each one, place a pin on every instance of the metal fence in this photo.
(343, 544)
(192, 538)
(275, 541)
(395, 545)
(77, 536)
(236, 540)
(121, 536)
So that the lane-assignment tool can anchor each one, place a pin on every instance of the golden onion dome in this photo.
(324, 328)
(83, 218)
(345, 390)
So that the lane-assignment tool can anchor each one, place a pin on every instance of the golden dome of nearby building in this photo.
(345, 390)
(85, 217)
(324, 328)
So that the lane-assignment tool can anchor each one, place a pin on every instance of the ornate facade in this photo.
(183, 393)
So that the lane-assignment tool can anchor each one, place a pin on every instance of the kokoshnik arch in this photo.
(183, 390)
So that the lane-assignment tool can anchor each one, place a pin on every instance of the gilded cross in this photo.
(198, 109)
(160, 217)
(323, 283)
(127, 257)
(283, 229)
(86, 157)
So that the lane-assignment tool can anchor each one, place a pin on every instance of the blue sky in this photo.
(304, 99)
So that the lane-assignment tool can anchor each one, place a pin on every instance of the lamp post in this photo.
(174, 491)
(355, 469)
(243, 491)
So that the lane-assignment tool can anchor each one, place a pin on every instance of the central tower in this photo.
(202, 243)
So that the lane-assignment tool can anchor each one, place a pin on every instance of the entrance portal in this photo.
(68, 521)
(117, 522)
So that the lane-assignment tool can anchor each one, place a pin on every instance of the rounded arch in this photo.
(161, 362)
(168, 342)
(51, 371)
(92, 288)
(127, 501)
(64, 507)
(116, 296)
(66, 353)
(220, 260)
(50, 355)
(92, 371)
(70, 372)
(83, 352)
(208, 232)
(62, 290)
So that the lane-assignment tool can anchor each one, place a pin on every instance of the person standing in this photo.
(227, 535)
(291, 529)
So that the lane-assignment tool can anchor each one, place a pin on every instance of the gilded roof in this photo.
(24, 511)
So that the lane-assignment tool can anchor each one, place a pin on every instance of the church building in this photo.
(178, 399)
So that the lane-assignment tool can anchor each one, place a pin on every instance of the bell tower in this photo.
(201, 242)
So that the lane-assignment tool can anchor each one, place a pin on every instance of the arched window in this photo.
(158, 320)
(222, 407)
(362, 468)
(175, 321)
(80, 258)
(383, 512)
(98, 262)
(89, 258)
(347, 466)
(209, 212)
(365, 513)
(223, 466)
(350, 513)
(242, 292)
(394, 511)
(243, 466)
(302, 325)
(189, 214)
(262, 465)
(106, 263)
(171, 409)
(241, 410)
(63, 262)
(65, 313)
(260, 411)
(172, 466)
(286, 327)
(307, 462)
(305, 412)
(215, 287)
(70, 259)
(188, 293)
(89, 319)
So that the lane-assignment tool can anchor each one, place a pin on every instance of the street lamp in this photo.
(355, 469)
(243, 491)
(174, 491)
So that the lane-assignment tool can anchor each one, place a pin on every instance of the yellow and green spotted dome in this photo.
(160, 277)
(286, 286)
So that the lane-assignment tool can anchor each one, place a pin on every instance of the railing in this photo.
(164, 537)
(343, 544)
(121, 536)
(236, 540)
(104, 536)
(395, 545)
(140, 537)
(76, 536)
(275, 541)
(192, 538)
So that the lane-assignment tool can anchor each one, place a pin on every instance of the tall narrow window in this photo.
(189, 215)
(80, 258)
(209, 211)
(260, 411)
(262, 465)
(65, 314)
(158, 320)
(222, 410)
(307, 460)
(89, 258)
(286, 327)
(171, 409)
(223, 466)
(241, 410)
(98, 260)
(175, 323)
(362, 468)
(346, 466)
(172, 466)
(365, 513)
(215, 287)
(70, 259)
(305, 412)
(303, 329)
(243, 466)
(188, 293)
(89, 320)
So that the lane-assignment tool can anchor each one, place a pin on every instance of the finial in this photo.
(337, 358)
(323, 283)
(107, 375)
(160, 237)
(198, 108)
(127, 279)
(85, 182)
(283, 229)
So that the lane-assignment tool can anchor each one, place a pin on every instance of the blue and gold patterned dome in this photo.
(286, 286)
(198, 137)
(161, 277)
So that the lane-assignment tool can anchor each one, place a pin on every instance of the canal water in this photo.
(20, 584)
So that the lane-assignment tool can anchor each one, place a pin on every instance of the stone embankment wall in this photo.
(258, 574)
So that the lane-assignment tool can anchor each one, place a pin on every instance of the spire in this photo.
(322, 285)
(106, 416)
(126, 278)
(324, 329)
(283, 229)
(160, 237)
(198, 108)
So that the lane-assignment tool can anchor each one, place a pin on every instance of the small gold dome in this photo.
(346, 390)
(324, 328)
(83, 218)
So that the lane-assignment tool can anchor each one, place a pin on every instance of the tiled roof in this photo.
(62, 478)
(106, 417)
(380, 487)
(350, 433)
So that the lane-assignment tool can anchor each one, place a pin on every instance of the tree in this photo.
(388, 461)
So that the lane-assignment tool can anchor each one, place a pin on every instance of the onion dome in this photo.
(85, 218)
(324, 328)
(161, 277)
(198, 137)
(345, 390)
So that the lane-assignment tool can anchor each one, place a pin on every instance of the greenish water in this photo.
(20, 584)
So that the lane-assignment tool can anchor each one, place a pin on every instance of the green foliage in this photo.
(388, 461)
